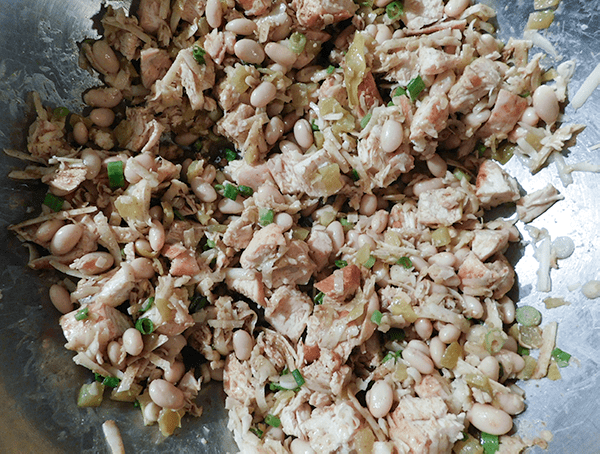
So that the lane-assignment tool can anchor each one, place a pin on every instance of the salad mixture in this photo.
(294, 199)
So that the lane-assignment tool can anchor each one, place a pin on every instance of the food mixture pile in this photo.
(293, 198)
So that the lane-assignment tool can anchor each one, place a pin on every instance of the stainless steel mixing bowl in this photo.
(39, 382)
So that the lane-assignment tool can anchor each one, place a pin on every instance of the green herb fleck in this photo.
(298, 377)
(55, 203)
(415, 87)
(392, 355)
(370, 262)
(60, 112)
(490, 443)
(314, 125)
(341, 263)
(230, 155)
(365, 121)
(330, 69)
(376, 317)
(230, 191)
(116, 177)
(272, 421)
(319, 298)
(199, 54)
(394, 10)
(259, 433)
(562, 358)
(354, 175)
(82, 313)
(246, 191)
(406, 262)
(265, 216)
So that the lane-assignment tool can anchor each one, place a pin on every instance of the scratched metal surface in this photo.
(38, 381)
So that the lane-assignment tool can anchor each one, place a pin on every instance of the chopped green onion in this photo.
(54, 202)
(297, 42)
(354, 175)
(481, 149)
(210, 243)
(219, 187)
(60, 112)
(82, 313)
(415, 87)
(198, 302)
(198, 145)
(246, 191)
(399, 91)
(406, 262)
(528, 316)
(314, 126)
(390, 104)
(285, 371)
(199, 54)
(180, 216)
(396, 334)
(277, 387)
(346, 223)
(230, 191)
(365, 121)
(116, 177)
(144, 325)
(272, 421)
(522, 351)
(376, 317)
(525, 94)
(562, 358)
(147, 304)
(265, 216)
(230, 155)
(490, 443)
(341, 263)
(370, 262)
(111, 382)
(298, 377)
(330, 69)
(394, 10)
(319, 298)
(259, 433)
(392, 355)
(494, 340)
(459, 175)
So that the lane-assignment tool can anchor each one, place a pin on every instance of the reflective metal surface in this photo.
(39, 382)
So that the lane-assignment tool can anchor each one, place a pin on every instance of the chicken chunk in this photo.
(288, 310)
(535, 203)
(478, 80)
(341, 284)
(332, 428)
(441, 207)
(154, 64)
(486, 279)
(487, 242)
(494, 186)
(319, 14)
(419, 13)
(247, 282)
(506, 113)
(116, 290)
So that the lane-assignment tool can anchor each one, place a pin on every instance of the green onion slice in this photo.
(230, 191)
(246, 191)
(406, 262)
(394, 10)
(341, 263)
(111, 382)
(562, 358)
(230, 155)
(198, 54)
(297, 42)
(178, 214)
(210, 243)
(272, 421)
(116, 177)
(319, 298)
(259, 433)
(490, 443)
(528, 316)
(459, 175)
(370, 262)
(376, 317)
(415, 87)
(399, 91)
(55, 203)
(198, 302)
(392, 355)
(60, 112)
(354, 175)
(314, 126)
(330, 69)
(522, 351)
(82, 313)
(144, 325)
(147, 304)
(298, 377)
(265, 216)
(365, 121)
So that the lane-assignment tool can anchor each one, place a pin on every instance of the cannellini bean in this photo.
(381, 270)
(214, 13)
(115, 353)
(156, 236)
(423, 328)
(461, 255)
(336, 233)
(437, 349)
(203, 190)
(143, 248)
(487, 44)
(289, 121)
(475, 119)
(61, 299)
(437, 166)
(241, 26)
(545, 104)
(165, 394)
(102, 117)
(371, 29)
(366, 239)
(146, 160)
(228, 206)
(514, 361)
(133, 342)
(151, 412)
(380, 399)
(449, 333)
(105, 57)
(275, 108)
(299, 446)
(392, 135)
(490, 419)
(80, 133)
(248, 50)
(379, 222)
(490, 367)
(284, 220)
(243, 343)
(263, 94)
(281, 54)
(473, 307)
(156, 212)
(268, 193)
(454, 8)
(96, 262)
(511, 344)
(419, 345)
(275, 433)
(174, 373)
(510, 403)
(303, 133)
(507, 310)
(444, 259)
(530, 117)
(92, 161)
(65, 239)
(48, 229)
(418, 360)
(382, 3)
(274, 130)
(383, 34)
(142, 268)
(103, 97)
(368, 204)
(427, 185)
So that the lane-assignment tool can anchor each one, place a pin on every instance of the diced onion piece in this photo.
(543, 4)
(539, 20)
(169, 420)
(404, 309)
(363, 254)
(330, 177)
(441, 237)
(90, 395)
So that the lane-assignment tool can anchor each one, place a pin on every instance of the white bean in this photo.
(95, 262)
(382, 3)
(281, 54)
(174, 373)
(380, 399)
(368, 204)
(513, 360)
(423, 328)
(156, 236)
(151, 412)
(203, 190)
(156, 212)
(48, 229)
(61, 299)
(419, 345)
(475, 119)
(418, 263)
(530, 117)
(510, 403)
(165, 394)
(381, 270)
(545, 104)
(473, 307)
(243, 343)
(383, 34)
(303, 133)
(366, 239)
(490, 419)
(449, 333)
(444, 259)
(507, 310)
(92, 161)
(490, 367)
(392, 136)
(133, 342)
(284, 220)
(105, 57)
(80, 133)
(437, 349)
(102, 117)
(511, 344)
(115, 353)
(379, 221)
(214, 13)
(249, 50)
(289, 121)
(274, 130)
(142, 268)
(418, 360)
(65, 239)
(275, 108)
(427, 185)
(103, 97)
(437, 166)
(228, 206)
(298, 446)
(263, 94)
(241, 26)
(454, 8)
(336, 233)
